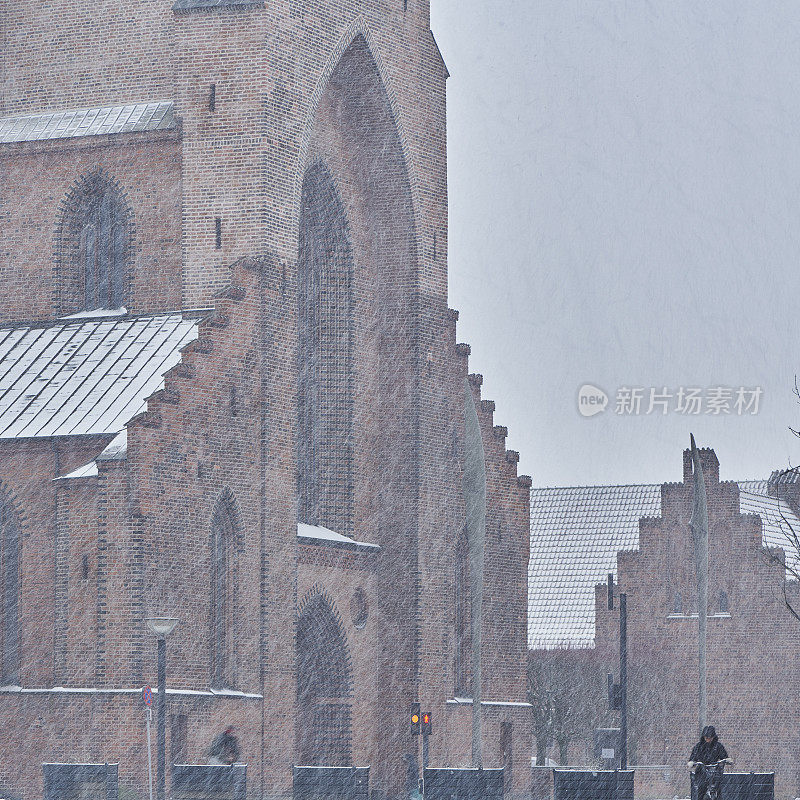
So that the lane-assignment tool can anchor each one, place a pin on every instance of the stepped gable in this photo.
(576, 534)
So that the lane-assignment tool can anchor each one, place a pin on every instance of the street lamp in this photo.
(161, 627)
(618, 693)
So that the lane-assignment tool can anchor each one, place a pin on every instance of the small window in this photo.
(677, 604)
(724, 607)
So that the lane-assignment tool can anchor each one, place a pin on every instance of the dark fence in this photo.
(463, 784)
(209, 782)
(573, 784)
(79, 781)
(330, 783)
(748, 786)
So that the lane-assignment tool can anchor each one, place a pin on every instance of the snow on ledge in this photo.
(99, 313)
(467, 701)
(136, 690)
(116, 450)
(319, 533)
(86, 471)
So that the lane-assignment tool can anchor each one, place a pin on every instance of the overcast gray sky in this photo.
(624, 212)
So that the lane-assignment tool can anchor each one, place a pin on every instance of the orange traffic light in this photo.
(415, 719)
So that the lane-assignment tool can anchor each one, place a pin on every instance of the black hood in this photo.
(709, 731)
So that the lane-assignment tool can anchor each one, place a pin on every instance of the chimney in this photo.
(708, 461)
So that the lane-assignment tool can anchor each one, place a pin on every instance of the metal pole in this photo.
(424, 761)
(474, 487)
(161, 720)
(623, 680)
(149, 752)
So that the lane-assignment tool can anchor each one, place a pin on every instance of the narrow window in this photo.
(9, 572)
(724, 608)
(677, 604)
(463, 619)
(212, 98)
(102, 252)
(506, 753)
(218, 232)
(223, 563)
(179, 729)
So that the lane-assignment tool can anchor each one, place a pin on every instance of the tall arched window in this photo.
(223, 581)
(325, 334)
(94, 247)
(9, 572)
(463, 615)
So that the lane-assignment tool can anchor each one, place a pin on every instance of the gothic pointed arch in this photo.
(93, 246)
(324, 684)
(224, 546)
(357, 284)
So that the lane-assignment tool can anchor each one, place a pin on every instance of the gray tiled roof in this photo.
(87, 122)
(576, 533)
(85, 376)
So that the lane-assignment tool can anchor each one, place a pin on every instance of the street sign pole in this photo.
(147, 696)
(149, 752)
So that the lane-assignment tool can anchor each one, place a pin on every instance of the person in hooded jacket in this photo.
(709, 750)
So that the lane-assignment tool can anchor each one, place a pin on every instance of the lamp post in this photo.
(161, 627)
(618, 692)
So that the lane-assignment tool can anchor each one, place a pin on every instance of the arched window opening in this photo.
(9, 573)
(463, 619)
(325, 339)
(223, 580)
(94, 246)
(324, 687)
(102, 242)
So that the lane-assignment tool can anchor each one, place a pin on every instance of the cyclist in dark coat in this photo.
(225, 748)
(709, 750)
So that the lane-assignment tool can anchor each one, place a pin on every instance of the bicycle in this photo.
(709, 775)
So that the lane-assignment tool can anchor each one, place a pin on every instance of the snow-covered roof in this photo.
(85, 376)
(320, 534)
(576, 533)
(88, 122)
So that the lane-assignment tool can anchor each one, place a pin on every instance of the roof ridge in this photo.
(190, 313)
(601, 486)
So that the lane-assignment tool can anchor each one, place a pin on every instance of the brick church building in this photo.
(231, 393)
(641, 534)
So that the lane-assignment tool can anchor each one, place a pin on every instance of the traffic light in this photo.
(426, 724)
(415, 715)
